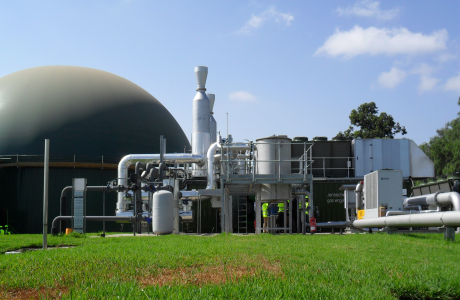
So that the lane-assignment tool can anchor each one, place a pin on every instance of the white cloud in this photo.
(242, 96)
(423, 69)
(367, 8)
(392, 78)
(427, 82)
(453, 84)
(445, 57)
(270, 15)
(375, 41)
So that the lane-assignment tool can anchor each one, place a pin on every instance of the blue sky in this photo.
(276, 67)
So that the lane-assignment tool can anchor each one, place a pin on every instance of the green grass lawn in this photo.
(365, 266)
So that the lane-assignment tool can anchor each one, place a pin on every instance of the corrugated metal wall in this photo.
(322, 149)
(22, 195)
(340, 149)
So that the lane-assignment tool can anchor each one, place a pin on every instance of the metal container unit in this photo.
(162, 212)
(397, 154)
(330, 200)
(444, 184)
(382, 188)
(272, 158)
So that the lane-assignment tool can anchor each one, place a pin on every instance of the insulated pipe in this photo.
(236, 148)
(412, 207)
(193, 195)
(173, 158)
(67, 189)
(397, 213)
(91, 218)
(358, 192)
(437, 219)
(176, 206)
(333, 224)
(438, 199)
(210, 157)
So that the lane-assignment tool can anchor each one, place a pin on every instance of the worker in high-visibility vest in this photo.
(280, 218)
(306, 205)
(265, 215)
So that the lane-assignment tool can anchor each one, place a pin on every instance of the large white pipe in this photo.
(358, 192)
(438, 199)
(437, 219)
(172, 158)
(210, 160)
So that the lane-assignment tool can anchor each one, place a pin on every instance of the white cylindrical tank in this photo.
(162, 212)
(270, 150)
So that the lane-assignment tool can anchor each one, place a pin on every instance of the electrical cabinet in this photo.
(382, 188)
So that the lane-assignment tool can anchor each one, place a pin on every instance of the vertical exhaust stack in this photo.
(201, 121)
(212, 121)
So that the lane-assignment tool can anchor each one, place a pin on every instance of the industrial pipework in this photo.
(173, 158)
(421, 218)
(437, 199)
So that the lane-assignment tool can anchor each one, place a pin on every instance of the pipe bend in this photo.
(455, 200)
(66, 190)
(210, 159)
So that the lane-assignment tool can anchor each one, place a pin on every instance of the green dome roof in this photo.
(83, 111)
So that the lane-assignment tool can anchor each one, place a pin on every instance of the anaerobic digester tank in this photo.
(201, 139)
(272, 157)
(162, 212)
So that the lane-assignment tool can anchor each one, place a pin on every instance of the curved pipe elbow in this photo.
(210, 159)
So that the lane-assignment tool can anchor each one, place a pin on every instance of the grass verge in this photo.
(376, 266)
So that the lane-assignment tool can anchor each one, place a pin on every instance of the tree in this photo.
(370, 124)
(444, 148)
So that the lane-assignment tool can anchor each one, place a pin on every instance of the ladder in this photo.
(242, 214)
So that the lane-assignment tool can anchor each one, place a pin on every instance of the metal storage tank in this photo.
(270, 149)
(92, 118)
(162, 212)
(340, 148)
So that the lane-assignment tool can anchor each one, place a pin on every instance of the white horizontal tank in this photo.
(162, 212)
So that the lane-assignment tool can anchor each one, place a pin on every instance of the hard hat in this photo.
(306, 197)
